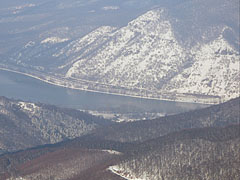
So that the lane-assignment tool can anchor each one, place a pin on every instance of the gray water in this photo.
(17, 86)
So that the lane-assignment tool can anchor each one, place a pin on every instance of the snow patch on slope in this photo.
(28, 106)
(18, 178)
(126, 174)
(87, 40)
(18, 9)
(54, 40)
(112, 152)
(29, 44)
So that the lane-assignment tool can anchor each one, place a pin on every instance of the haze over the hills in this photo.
(160, 49)
(184, 53)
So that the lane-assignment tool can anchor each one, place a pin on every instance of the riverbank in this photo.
(83, 85)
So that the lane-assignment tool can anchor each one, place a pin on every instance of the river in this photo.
(18, 86)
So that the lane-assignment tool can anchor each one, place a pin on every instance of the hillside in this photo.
(167, 50)
(193, 145)
(214, 116)
(68, 163)
(189, 154)
(164, 74)
(25, 124)
(207, 153)
(144, 58)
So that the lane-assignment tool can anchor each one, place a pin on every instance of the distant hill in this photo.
(24, 124)
(215, 116)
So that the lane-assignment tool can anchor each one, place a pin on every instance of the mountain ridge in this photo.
(162, 54)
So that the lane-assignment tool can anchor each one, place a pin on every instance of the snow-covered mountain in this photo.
(138, 55)
(166, 53)
(215, 71)
(146, 55)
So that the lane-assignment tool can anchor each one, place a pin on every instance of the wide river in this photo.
(18, 86)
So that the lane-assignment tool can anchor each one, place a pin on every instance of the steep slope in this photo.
(189, 154)
(173, 52)
(146, 59)
(127, 54)
(215, 116)
(63, 163)
(80, 158)
(214, 71)
(208, 153)
(25, 124)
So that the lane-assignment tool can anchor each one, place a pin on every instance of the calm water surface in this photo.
(22, 87)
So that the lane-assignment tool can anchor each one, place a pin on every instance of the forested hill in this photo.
(25, 124)
(202, 144)
(206, 153)
(215, 116)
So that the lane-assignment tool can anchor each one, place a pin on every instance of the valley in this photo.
(119, 90)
